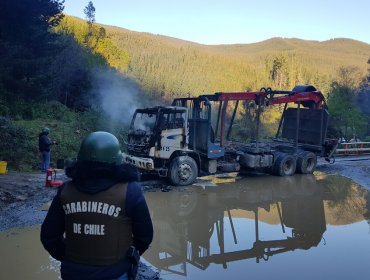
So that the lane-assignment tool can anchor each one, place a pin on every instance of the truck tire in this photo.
(306, 162)
(276, 155)
(284, 165)
(183, 171)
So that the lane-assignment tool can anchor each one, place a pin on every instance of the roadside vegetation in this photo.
(76, 76)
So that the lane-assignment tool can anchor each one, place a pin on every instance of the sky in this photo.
(234, 21)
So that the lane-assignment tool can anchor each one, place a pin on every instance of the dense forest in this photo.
(76, 76)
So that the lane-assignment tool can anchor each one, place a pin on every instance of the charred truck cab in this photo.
(158, 142)
(193, 135)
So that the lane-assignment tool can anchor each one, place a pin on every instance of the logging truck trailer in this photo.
(192, 136)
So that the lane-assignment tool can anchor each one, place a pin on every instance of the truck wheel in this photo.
(183, 171)
(306, 162)
(272, 170)
(285, 165)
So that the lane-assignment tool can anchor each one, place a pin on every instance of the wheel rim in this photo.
(184, 171)
(288, 167)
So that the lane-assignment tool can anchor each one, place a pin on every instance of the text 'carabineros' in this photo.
(91, 207)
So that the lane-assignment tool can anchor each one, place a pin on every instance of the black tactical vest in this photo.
(98, 232)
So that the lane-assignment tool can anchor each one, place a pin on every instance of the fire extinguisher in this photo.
(50, 182)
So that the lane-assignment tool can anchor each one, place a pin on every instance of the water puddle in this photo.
(300, 227)
(23, 257)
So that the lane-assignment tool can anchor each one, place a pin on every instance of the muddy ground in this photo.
(23, 195)
(24, 198)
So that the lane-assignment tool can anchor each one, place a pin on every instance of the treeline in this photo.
(278, 63)
(167, 68)
(68, 74)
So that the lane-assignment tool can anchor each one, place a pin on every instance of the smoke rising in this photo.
(118, 96)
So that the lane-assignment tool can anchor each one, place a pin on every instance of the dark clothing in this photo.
(44, 148)
(93, 178)
(44, 143)
(74, 271)
(97, 219)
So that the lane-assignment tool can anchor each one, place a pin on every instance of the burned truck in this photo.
(192, 136)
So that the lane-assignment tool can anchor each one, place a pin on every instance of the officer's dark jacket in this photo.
(44, 143)
(108, 183)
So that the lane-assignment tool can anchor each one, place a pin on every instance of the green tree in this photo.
(70, 74)
(346, 119)
(89, 12)
(278, 72)
(27, 46)
(363, 99)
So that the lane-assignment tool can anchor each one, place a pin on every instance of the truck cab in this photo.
(158, 143)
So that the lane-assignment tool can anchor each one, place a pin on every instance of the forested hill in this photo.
(168, 66)
(76, 76)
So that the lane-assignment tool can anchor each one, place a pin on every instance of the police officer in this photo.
(98, 216)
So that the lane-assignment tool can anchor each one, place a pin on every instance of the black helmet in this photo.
(45, 130)
(100, 146)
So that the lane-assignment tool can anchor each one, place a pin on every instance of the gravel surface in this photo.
(355, 168)
(22, 196)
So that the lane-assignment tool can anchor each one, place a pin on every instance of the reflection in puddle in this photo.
(300, 227)
(289, 226)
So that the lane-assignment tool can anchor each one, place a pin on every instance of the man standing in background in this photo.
(44, 148)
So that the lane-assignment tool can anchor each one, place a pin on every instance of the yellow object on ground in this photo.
(3, 167)
(220, 178)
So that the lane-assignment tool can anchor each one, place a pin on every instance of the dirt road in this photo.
(23, 195)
